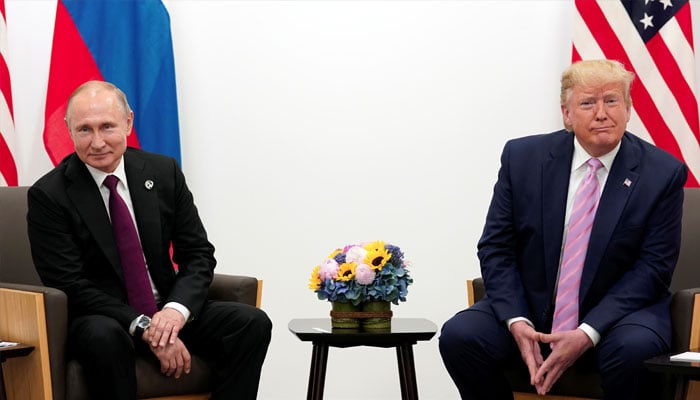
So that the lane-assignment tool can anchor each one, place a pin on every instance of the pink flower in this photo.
(328, 270)
(355, 254)
(364, 274)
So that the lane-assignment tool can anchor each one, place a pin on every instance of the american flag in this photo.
(8, 169)
(654, 39)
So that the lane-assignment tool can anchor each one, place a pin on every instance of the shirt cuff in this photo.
(179, 307)
(592, 333)
(511, 321)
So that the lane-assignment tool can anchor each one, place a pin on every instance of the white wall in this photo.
(307, 125)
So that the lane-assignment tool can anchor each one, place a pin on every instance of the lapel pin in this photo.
(627, 183)
(149, 184)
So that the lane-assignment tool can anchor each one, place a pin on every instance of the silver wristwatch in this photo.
(139, 325)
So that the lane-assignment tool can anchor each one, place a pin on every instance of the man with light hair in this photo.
(577, 253)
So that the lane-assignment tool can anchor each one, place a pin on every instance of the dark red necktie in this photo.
(138, 286)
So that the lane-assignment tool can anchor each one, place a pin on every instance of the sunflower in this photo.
(315, 281)
(377, 255)
(346, 272)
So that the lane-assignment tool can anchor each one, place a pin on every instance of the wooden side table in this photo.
(19, 350)
(404, 333)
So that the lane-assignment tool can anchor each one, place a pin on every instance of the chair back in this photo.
(687, 273)
(16, 265)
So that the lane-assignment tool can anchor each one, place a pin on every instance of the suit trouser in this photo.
(232, 337)
(474, 346)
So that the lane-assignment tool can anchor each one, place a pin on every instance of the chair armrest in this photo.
(685, 314)
(56, 319)
(475, 290)
(685, 319)
(243, 289)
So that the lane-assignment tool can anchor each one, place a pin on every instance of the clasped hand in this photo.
(162, 338)
(567, 347)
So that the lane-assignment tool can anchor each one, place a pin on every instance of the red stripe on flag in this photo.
(673, 76)
(643, 103)
(685, 21)
(72, 64)
(8, 169)
(575, 56)
(5, 86)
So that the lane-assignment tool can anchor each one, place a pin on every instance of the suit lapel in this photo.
(617, 190)
(84, 193)
(143, 187)
(556, 173)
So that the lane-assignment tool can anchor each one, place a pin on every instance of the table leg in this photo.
(317, 375)
(3, 395)
(407, 372)
(681, 388)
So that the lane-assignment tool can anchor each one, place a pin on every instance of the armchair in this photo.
(34, 314)
(685, 316)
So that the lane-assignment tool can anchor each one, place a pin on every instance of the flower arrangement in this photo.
(360, 273)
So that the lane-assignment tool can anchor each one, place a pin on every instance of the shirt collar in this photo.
(581, 156)
(99, 176)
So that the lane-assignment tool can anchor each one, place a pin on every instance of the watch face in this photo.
(144, 322)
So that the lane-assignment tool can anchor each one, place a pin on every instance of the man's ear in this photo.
(565, 116)
(129, 123)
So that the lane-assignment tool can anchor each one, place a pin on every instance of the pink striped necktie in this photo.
(138, 286)
(574, 254)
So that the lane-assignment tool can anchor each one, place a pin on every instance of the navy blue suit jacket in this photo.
(74, 249)
(634, 242)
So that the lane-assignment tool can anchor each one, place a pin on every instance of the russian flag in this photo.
(127, 43)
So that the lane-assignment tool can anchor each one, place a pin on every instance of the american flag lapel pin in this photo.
(627, 182)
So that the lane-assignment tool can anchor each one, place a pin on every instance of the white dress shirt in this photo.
(123, 190)
(579, 168)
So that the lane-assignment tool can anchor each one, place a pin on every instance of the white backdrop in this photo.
(308, 125)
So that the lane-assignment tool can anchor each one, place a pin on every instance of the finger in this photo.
(188, 360)
(156, 333)
(549, 380)
(154, 336)
(545, 338)
(167, 333)
(188, 365)
(537, 377)
(532, 370)
(164, 367)
(174, 334)
(173, 367)
(539, 360)
(532, 367)
(179, 367)
(539, 336)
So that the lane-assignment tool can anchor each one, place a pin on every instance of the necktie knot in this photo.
(111, 182)
(593, 164)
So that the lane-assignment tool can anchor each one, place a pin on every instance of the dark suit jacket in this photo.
(634, 242)
(74, 249)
